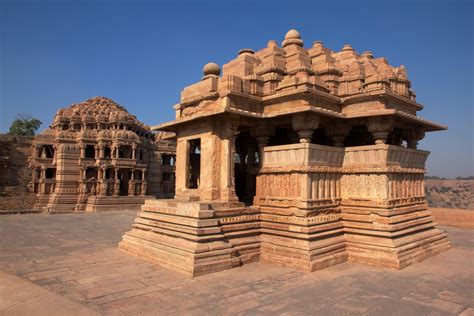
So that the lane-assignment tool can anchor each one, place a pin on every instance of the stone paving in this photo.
(75, 256)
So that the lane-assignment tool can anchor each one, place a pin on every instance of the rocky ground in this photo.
(450, 193)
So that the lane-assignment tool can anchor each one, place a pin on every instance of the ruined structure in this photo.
(96, 156)
(299, 157)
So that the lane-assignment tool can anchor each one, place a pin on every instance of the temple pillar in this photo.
(227, 168)
(305, 124)
(134, 150)
(380, 128)
(338, 133)
(101, 150)
(83, 150)
(413, 136)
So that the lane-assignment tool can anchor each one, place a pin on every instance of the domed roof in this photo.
(97, 108)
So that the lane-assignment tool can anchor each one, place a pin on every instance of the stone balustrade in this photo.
(385, 155)
(302, 155)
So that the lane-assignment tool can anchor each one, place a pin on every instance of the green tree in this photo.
(24, 125)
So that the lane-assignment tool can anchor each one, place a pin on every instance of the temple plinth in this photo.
(298, 157)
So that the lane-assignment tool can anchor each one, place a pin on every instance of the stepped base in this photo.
(197, 238)
(114, 203)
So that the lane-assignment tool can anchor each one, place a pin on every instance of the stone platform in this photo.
(72, 260)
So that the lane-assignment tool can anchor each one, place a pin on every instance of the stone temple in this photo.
(299, 157)
(96, 156)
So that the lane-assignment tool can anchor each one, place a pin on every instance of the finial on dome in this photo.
(211, 69)
(246, 51)
(272, 43)
(367, 54)
(347, 47)
(292, 34)
(292, 37)
(317, 43)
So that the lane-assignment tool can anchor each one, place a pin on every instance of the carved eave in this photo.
(384, 93)
(427, 125)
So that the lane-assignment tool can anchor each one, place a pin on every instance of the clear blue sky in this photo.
(142, 53)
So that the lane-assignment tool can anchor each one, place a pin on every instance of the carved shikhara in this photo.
(299, 157)
(307, 214)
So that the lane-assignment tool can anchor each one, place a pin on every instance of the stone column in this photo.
(413, 136)
(338, 133)
(229, 133)
(134, 149)
(83, 150)
(116, 183)
(305, 124)
(96, 153)
(101, 150)
(380, 128)
(262, 133)
(37, 151)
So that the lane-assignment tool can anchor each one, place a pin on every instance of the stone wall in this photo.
(15, 172)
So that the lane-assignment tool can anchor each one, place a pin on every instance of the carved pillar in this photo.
(251, 150)
(96, 152)
(229, 133)
(83, 150)
(338, 133)
(116, 183)
(380, 128)
(134, 149)
(413, 136)
(305, 124)
(262, 133)
(101, 150)
(37, 151)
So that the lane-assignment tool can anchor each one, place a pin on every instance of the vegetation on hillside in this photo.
(24, 125)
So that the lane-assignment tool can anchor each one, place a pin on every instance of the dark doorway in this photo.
(124, 177)
(90, 151)
(245, 167)
(194, 167)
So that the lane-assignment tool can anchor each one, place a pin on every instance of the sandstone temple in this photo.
(301, 157)
(96, 156)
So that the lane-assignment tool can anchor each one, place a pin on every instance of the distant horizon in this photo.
(142, 54)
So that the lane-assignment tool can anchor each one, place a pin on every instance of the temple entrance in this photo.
(124, 177)
(194, 171)
(245, 167)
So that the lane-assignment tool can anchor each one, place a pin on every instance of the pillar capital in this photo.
(338, 133)
(380, 127)
(413, 136)
(305, 124)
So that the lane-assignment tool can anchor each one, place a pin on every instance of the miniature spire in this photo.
(292, 37)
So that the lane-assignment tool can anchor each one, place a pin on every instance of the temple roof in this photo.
(281, 80)
(97, 109)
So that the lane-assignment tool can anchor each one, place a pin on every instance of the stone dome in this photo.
(211, 69)
(292, 34)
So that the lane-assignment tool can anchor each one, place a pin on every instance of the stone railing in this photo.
(124, 162)
(385, 155)
(302, 155)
